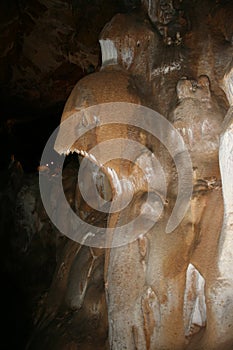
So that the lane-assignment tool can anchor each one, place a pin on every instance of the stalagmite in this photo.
(160, 291)
(222, 292)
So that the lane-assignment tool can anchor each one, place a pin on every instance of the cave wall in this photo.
(38, 73)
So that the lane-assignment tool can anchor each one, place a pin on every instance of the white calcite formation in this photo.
(223, 290)
(194, 301)
(227, 83)
(109, 52)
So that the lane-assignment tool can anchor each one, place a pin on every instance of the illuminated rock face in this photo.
(222, 290)
(129, 50)
(162, 291)
(194, 301)
(173, 274)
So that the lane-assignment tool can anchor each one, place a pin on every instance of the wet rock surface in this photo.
(161, 291)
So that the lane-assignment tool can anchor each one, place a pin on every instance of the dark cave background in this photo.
(46, 46)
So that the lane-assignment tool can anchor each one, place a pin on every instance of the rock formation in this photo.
(160, 290)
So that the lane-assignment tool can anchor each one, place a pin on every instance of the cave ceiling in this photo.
(49, 45)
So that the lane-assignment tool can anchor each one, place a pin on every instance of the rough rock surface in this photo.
(161, 291)
(42, 69)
